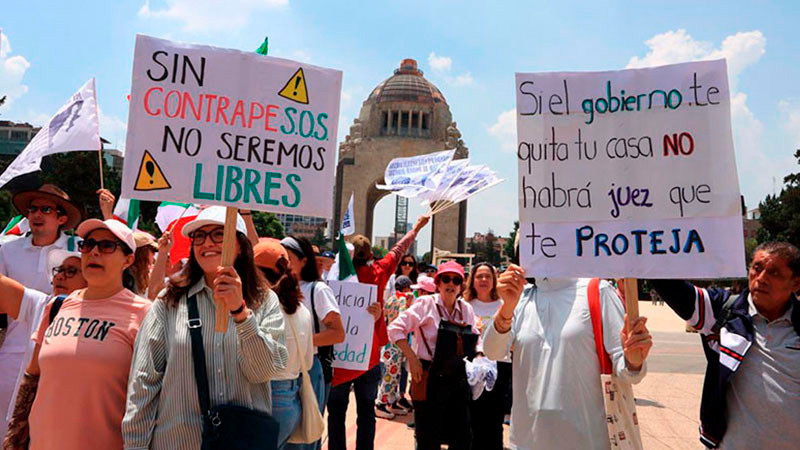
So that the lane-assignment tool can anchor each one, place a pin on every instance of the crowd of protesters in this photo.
(92, 314)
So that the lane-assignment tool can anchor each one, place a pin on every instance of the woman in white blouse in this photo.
(273, 261)
(557, 397)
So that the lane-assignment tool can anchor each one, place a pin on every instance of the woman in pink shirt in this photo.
(445, 331)
(82, 358)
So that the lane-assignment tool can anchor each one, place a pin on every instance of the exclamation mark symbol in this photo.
(296, 85)
(151, 170)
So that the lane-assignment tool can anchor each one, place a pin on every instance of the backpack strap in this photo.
(724, 313)
(593, 292)
(56, 306)
(314, 308)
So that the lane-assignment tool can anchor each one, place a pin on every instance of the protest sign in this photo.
(353, 299)
(416, 173)
(628, 173)
(218, 126)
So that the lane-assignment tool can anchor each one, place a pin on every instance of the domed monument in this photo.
(405, 115)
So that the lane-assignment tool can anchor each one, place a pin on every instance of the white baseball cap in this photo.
(56, 257)
(213, 215)
(117, 228)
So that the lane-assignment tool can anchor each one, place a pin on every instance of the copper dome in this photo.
(407, 85)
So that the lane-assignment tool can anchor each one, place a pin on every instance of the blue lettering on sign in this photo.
(620, 243)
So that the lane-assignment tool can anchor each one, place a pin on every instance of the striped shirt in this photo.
(163, 411)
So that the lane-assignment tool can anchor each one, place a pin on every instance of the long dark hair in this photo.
(254, 285)
(285, 285)
(399, 271)
(139, 269)
(309, 271)
(470, 293)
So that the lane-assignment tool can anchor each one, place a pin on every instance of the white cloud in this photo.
(440, 63)
(12, 71)
(209, 15)
(113, 129)
(790, 116)
(741, 50)
(442, 66)
(505, 130)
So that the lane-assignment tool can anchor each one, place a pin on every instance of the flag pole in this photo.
(228, 257)
(100, 163)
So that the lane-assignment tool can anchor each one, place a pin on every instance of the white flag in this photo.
(416, 174)
(348, 222)
(75, 127)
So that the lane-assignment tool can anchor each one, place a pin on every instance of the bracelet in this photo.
(238, 310)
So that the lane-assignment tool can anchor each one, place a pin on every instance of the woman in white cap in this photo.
(25, 306)
(83, 356)
(163, 410)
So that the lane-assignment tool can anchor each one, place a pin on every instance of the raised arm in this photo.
(389, 262)
(106, 199)
(11, 293)
(159, 271)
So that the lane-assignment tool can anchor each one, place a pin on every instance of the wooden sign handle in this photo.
(631, 301)
(228, 257)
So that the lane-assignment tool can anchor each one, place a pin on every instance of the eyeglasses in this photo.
(199, 236)
(43, 209)
(447, 278)
(68, 272)
(104, 246)
(407, 263)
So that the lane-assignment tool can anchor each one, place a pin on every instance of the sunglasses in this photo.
(42, 209)
(104, 246)
(407, 263)
(68, 272)
(447, 278)
(199, 236)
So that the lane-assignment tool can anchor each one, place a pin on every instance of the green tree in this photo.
(780, 214)
(319, 238)
(509, 247)
(378, 252)
(268, 225)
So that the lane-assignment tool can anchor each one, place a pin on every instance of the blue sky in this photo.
(469, 49)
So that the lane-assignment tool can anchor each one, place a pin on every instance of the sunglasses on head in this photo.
(455, 279)
(199, 237)
(104, 245)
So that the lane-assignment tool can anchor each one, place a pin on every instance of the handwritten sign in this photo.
(628, 173)
(353, 299)
(218, 126)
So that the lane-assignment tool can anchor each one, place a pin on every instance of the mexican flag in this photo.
(169, 212)
(347, 272)
(17, 226)
(127, 212)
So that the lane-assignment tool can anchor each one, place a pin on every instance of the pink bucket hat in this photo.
(450, 267)
(425, 283)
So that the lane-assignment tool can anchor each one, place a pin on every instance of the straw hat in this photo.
(22, 200)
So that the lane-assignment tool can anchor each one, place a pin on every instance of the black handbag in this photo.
(228, 426)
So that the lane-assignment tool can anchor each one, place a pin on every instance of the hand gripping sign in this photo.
(628, 173)
(218, 126)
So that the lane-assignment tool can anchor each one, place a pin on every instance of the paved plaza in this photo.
(668, 399)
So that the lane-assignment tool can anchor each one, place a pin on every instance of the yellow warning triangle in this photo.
(295, 88)
(150, 177)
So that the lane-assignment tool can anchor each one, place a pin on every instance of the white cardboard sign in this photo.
(218, 126)
(628, 173)
(359, 325)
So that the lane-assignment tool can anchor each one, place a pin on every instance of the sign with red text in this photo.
(628, 173)
(359, 325)
(225, 127)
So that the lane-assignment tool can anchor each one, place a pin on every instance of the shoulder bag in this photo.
(311, 424)
(227, 426)
(621, 419)
(325, 352)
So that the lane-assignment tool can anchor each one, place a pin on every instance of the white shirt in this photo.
(389, 290)
(303, 325)
(558, 401)
(27, 263)
(16, 352)
(324, 301)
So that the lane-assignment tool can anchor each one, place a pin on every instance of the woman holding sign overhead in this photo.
(164, 398)
(558, 398)
(446, 331)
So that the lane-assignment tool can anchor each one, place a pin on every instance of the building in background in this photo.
(15, 136)
(304, 226)
(488, 247)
